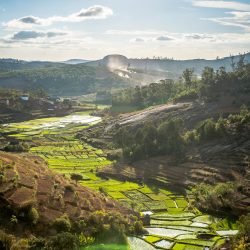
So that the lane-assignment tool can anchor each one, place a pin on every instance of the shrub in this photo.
(1, 177)
(69, 188)
(102, 190)
(242, 240)
(13, 220)
(207, 129)
(81, 225)
(5, 240)
(138, 227)
(63, 241)
(186, 95)
(191, 136)
(62, 224)
(33, 215)
(36, 243)
(18, 147)
(85, 240)
(220, 197)
(20, 245)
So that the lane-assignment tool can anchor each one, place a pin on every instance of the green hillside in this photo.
(63, 80)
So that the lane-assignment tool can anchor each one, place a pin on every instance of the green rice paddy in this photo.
(174, 224)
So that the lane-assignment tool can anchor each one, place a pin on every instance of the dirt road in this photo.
(139, 116)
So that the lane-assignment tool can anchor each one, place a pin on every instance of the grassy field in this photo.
(174, 223)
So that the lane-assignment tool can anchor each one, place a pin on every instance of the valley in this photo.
(125, 125)
(170, 218)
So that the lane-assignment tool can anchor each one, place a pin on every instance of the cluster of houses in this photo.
(50, 103)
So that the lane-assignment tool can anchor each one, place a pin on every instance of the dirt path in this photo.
(141, 115)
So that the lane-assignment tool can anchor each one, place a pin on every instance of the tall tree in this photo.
(188, 75)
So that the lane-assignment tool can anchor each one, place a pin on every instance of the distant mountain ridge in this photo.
(171, 67)
(75, 61)
(78, 76)
(9, 64)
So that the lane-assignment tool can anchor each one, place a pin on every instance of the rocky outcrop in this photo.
(26, 182)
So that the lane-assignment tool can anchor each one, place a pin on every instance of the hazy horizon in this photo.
(96, 59)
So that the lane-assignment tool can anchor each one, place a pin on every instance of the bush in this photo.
(207, 129)
(5, 240)
(36, 243)
(242, 240)
(191, 137)
(81, 225)
(13, 220)
(85, 240)
(217, 198)
(63, 241)
(33, 215)
(62, 224)
(17, 147)
(138, 227)
(69, 188)
(22, 244)
(186, 95)
(102, 190)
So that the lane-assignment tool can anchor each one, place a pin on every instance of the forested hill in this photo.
(111, 72)
(63, 80)
(170, 67)
(9, 64)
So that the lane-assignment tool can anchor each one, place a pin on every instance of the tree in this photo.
(137, 97)
(241, 63)
(208, 76)
(76, 177)
(242, 239)
(187, 75)
(169, 137)
(139, 136)
(150, 139)
(232, 62)
(221, 76)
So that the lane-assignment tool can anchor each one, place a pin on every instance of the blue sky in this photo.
(90, 29)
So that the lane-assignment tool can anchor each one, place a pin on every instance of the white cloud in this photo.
(198, 36)
(177, 38)
(93, 12)
(163, 38)
(31, 34)
(31, 40)
(237, 19)
(159, 38)
(134, 32)
(222, 5)
(137, 40)
(240, 17)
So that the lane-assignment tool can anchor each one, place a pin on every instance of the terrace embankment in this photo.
(27, 183)
(218, 160)
(9, 116)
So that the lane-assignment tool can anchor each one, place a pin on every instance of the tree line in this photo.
(209, 87)
(171, 137)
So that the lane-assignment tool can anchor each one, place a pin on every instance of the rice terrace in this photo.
(125, 125)
(174, 223)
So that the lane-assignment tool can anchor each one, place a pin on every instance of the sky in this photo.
(58, 30)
